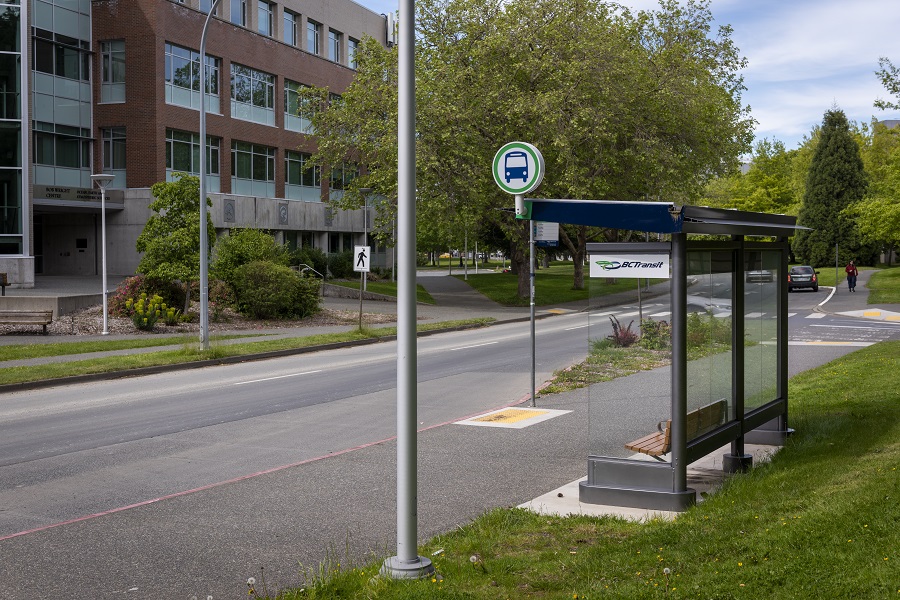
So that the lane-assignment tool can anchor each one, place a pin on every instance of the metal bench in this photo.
(660, 442)
(27, 317)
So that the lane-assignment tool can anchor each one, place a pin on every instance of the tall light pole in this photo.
(102, 180)
(406, 564)
(204, 243)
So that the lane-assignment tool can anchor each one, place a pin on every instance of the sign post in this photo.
(362, 256)
(518, 168)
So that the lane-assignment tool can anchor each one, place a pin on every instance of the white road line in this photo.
(754, 315)
(473, 346)
(661, 314)
(792, 315)
(603, 314)
(885, 328)
(630, 314)
(278, 377)
(815, 316)
(578, 327)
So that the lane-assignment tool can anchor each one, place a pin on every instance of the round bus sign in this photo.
(518, 168)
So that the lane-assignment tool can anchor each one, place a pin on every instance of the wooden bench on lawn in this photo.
(660, 442)
(26, 317)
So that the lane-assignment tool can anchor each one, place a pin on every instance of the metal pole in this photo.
(204, 236)
(531, 278)
(362, 287)
(836, 286)
(679, 361)
(407, 564)
(365, 243)
(103, 242)
(466, 256)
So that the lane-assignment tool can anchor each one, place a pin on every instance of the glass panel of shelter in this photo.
(761, 276)
(624, 410)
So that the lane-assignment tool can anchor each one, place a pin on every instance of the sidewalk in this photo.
(855, 304)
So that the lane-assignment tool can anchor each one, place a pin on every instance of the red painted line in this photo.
(210, 486)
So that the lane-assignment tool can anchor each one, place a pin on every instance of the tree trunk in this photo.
(577, 249)
(187, 297)
(519, 261)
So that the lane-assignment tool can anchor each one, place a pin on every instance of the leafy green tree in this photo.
(890, 79)
(625, 106)
(765, 187)
(170, 240)
(835, 181)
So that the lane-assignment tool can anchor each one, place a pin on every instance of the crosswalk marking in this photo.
(815, 316)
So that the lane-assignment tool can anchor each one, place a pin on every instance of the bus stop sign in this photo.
(518, 168)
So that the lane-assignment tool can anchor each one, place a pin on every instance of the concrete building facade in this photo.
(115, 88)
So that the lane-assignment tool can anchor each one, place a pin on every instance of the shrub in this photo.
(145, 311)
(655, 335)
(220, 296)
(244, 246)
(172, 293)
(312, 257)
(341, 265)
(266, 290)
(622, 337)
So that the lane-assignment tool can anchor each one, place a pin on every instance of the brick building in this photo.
(115, 89)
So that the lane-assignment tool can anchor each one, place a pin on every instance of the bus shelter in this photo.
(725, 316)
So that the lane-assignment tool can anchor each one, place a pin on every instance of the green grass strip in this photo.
(884, 286)
(191, 353)
(40, 350)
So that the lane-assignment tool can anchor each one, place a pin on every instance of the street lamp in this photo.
(102, 180)
(204, 244)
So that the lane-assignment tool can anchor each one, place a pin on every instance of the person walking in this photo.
(852, 274)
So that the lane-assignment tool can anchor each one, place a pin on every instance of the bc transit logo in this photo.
(608, 265)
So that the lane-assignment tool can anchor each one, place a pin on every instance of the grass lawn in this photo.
(884, 286)
(552, 285)
(822, 519)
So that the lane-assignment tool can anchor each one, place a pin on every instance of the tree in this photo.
(621, 106)
(835, 181)
(170, 240)
(765, 187)
(890, 79)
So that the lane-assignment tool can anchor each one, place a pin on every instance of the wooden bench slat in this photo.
(27, 317)
(705, 417)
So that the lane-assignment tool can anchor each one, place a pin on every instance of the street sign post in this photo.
(518, 168)
(362, 257)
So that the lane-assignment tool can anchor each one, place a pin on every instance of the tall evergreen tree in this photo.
(836, 179)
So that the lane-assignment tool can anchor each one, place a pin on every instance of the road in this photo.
(148, 479)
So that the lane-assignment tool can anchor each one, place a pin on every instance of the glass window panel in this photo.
(9, 29)
(43, 56)
(9, 86)
(761, 275)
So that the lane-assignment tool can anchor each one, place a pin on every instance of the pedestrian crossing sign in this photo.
(361, 256)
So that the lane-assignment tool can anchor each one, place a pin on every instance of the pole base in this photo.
(395, 568)
(732, 463)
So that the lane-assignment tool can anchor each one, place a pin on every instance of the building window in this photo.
(183, 78)
(352, 49)
(183, 152)
(239, 12)
(334, 45)
(252, 169)
(205, 5)
(302, 179)
(265, 14)
(313, 33)
(61, 55)
(298, 112)
(252, 95)
(342, 176)
(112, 88)
(113, 148)
(290, 28)
(61, 146)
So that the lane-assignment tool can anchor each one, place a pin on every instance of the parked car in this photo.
(760, 276)
(803, 277)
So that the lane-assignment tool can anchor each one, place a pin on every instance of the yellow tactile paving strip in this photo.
(510, 415)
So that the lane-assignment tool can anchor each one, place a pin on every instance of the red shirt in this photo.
(851, 270)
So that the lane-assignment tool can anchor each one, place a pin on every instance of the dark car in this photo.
(803, 277)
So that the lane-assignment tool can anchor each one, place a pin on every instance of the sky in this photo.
(804, 58)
